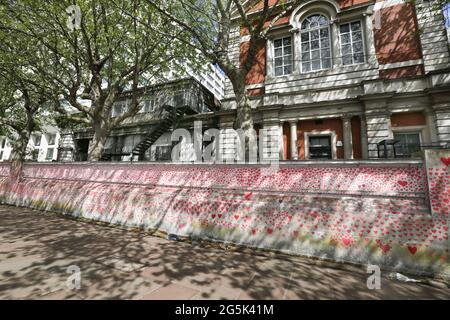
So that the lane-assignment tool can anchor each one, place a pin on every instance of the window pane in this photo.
(306, 67)
(278, 62)
(305, 56)
(305, 47)
(356, 36)
(288, 70)
(345, 38)
(346, 49)
(316, 65)
(279, 71)
(356, 26)
(324, 33)
(326, 63)
(346, 60)
(345, 28)
(315, 45)
(305, 37)
(277, 43)
(357, 47)
(315, 35)
(325, 43)
(287, 41)
(315, 54)
(278, 52)
(326, 53)
(359, 58)
(288, 50)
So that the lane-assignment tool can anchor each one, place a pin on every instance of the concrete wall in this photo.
(361, 212)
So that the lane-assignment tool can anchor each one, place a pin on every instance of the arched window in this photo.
(315, 43)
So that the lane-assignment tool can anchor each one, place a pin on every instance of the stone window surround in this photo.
(294, 31)
(330, 133)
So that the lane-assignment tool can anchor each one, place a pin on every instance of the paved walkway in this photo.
(36, 249)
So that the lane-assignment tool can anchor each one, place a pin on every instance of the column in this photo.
(281, 145)
(270, 142)
(335, 54)
(227, 141)
(431, 124)
(364, 138)
(294, 149)
(348, 145)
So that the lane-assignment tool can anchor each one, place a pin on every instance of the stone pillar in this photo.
(335, 54)
(364, 138)
(66, 149)
(270, 136)
(348, 144)
(294, 149)
(431, 124)
(227, 142)
(281, 145)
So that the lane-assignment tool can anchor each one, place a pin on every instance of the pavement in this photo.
(39, 252)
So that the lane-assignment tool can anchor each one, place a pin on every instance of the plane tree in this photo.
(91, 52)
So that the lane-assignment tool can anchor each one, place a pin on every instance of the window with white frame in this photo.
(315, 43)
(37, 140)
(51, 139)
(352, 47)
(119, 108)
(148, 105)
(50, 152)
(2, 146)
(283, 56)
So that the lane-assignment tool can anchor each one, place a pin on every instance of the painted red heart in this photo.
(248, 195)
(213, 216)
(269, 231)
(236, 217)
(446, 161)
(346, 241)
(413, 250)
(403, 183)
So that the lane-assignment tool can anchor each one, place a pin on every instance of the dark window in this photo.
(51, 139)
(408, 145)
(37, 140)
(163, 153)
(320, 147)
(50, 152)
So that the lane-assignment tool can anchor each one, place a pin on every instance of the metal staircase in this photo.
(173, 117)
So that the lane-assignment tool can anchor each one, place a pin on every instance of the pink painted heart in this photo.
(446, 161)
(248, 195)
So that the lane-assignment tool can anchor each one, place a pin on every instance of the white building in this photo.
(42, 147)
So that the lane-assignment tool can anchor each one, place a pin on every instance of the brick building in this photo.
(337, 78)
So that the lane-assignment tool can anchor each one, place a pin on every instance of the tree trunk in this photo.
(97, 144)
(244, 121)
(18, 156)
